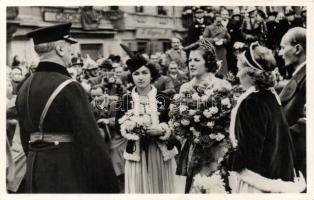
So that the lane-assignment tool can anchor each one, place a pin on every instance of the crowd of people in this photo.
(66, 116)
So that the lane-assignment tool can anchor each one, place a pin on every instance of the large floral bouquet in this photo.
(202, 117)
(134, 126)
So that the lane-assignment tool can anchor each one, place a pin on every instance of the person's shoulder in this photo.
(185, 87)
(169, 51)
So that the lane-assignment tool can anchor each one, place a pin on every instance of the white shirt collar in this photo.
(298, 68)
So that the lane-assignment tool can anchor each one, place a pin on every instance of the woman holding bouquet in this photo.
(143, 116)
(264, 156)
(194, 158)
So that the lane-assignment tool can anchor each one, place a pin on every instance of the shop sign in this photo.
(62, 17)
(153, 33)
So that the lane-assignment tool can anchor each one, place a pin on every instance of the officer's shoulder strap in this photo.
(50, 100)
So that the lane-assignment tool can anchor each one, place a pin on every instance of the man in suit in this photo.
(177, 78)
(59, 133)
(293, 96)
(220, 37)
(177, 54)
(253, 28)
(196, 30)
(163, 83)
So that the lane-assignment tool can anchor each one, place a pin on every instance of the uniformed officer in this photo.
(58, 130)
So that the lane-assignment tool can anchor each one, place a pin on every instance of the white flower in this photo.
(171, 106)
(220, 137)
(192, 112)
(111, 80)
(209, 92)
(185, 122)
(129, 125)
(192, 129)
(195, 97)
(211, 184)
(213, 110)
(176, 97)
(207, 114)
(196, 140)
(183, 108)
(212, 136)
(197, 118)
(210, 124)
(225, 102)
(196, 133)
(176, 124)
(204, 98)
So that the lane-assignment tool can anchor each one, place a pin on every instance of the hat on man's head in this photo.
(89, 63)
(106, 64)
(52, 33)
(250, 9)
(236, 12)
(289, 12)
(273, 13)
(199, 11)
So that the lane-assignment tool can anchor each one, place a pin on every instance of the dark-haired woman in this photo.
(264, 156)
(149, 161)
(202, 67)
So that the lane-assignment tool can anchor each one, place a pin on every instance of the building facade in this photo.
(99, 30)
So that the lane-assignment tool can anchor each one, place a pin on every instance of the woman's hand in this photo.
(155, 131)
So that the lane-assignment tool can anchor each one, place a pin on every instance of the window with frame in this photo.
(142, 47)
(93, 50)
(161, 10)
(139, 9)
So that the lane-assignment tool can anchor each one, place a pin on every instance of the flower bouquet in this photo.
(208, 184)
(134, 126)
(201, 117)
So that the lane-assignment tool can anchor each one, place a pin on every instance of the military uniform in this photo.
(64, 149)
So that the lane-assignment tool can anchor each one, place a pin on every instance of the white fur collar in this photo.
(152, 104)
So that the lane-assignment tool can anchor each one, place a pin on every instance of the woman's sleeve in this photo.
(250, 130)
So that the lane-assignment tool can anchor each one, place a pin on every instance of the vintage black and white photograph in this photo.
(156, 99)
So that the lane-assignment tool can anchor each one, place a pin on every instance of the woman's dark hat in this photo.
(252, 62)
(107, 64)
(52, 33)
(136, 61)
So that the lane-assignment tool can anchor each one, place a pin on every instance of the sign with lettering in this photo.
(153, 33)
(62, 17)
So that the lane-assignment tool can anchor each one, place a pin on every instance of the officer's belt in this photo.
(50, 137)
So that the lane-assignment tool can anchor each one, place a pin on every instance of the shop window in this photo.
(95, 51)
(139, 9)
(161, 10)
(142, 47)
